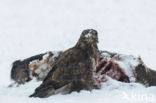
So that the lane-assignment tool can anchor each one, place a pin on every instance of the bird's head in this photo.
(90, 36)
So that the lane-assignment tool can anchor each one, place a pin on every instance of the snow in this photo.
(43, 66)
(30, 27)
(129, 63)
(88, 35)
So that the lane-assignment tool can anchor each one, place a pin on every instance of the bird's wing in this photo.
(59, 65)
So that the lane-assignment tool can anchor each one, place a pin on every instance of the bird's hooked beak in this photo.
(89, 35)
(90, 38)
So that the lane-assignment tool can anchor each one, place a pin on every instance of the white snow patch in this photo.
(89, 35)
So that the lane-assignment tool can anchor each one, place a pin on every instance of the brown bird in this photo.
(74, 68)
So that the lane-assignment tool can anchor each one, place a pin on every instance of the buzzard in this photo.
(74, 68)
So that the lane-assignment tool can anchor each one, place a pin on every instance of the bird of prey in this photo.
(74, 68)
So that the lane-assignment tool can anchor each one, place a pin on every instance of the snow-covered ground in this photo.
(29, 27)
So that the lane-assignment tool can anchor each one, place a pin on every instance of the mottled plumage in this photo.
(73, 71)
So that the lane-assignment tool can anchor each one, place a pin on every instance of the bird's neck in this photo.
(90, 48)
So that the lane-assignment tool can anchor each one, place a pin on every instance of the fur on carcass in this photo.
(124, 68)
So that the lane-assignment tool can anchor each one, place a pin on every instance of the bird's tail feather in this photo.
(47, 90)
